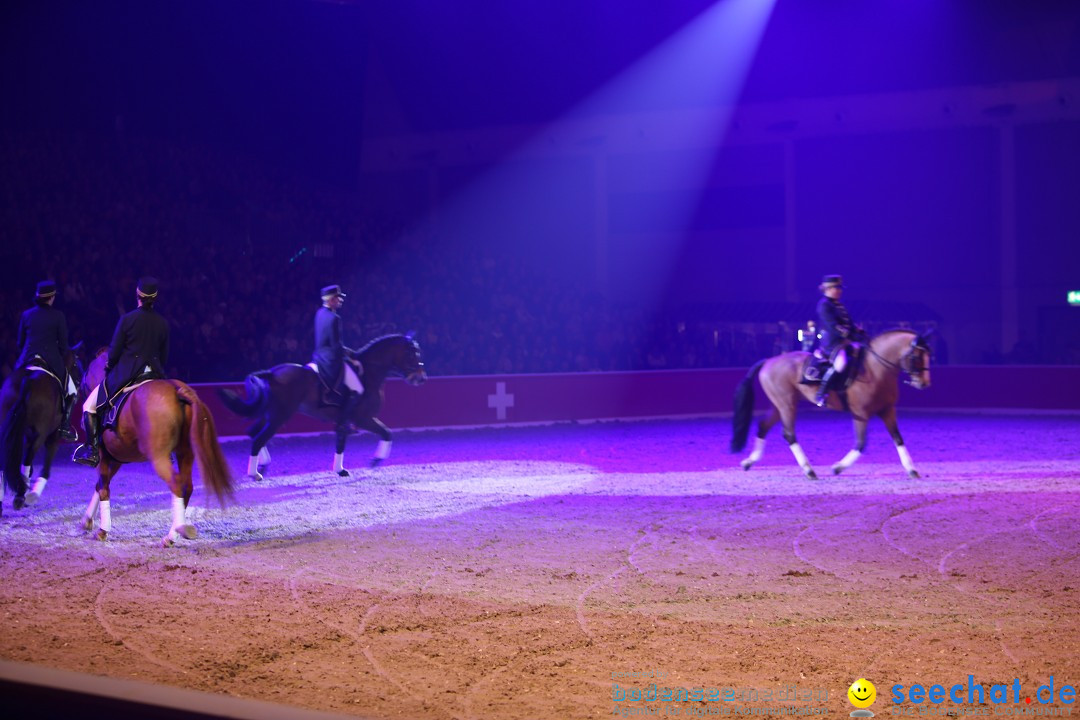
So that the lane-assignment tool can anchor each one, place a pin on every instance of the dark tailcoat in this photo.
(835, 324)
(330, 352)
(43, 332)
(141, 340)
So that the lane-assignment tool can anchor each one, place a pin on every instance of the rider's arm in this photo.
(116, 347)
(165, 350)
(62, 337)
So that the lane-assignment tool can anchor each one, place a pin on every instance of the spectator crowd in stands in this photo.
(240, 251)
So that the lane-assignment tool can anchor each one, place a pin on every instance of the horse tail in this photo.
(256, 396)
(12, 437)
(744, 408)
(204, 442)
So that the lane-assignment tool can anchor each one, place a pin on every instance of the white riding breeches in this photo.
(840, 362)
(352, 381)
(91, 403)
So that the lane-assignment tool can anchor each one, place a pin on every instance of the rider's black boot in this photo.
(823, 388)
(67, 433)
(87, 453)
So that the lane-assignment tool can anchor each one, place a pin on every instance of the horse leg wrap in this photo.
(847, 461)
(339, 462)
(253, 466)
(382, 450)
(106, 516)
(758, 451)
(35, 492)
(178, 519)
(25, 470)
(800, 457)
(905, 458)
(264, 456)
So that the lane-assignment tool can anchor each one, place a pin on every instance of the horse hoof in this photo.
(811, 474)
(343, 473)
(837, 469)
(914, 474)
(19, 502)
(32, 498)
(87, 524)
(167, 541)
(257, 477)
(187, 531)
(102, 535)
(747, 464)
(376, 462)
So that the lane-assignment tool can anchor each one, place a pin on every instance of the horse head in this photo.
(95, 371)
(398, 355)
(904, 351)
(915, 361)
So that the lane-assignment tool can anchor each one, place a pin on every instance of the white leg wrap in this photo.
(264, 456)
(758, 451)
(253, 466)
(382, 450)
(339, 461)
(849, 459)
(178, 518)
(106, 516)
(39, 485)
(905, 458)
(800, 456)
(92, 507)
(25, 470)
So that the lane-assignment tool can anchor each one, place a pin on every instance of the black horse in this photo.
(272, 396)
(30, 408)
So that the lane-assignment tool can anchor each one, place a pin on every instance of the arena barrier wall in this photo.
(485, 400)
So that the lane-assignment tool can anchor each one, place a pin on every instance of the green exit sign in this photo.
(1074, 297)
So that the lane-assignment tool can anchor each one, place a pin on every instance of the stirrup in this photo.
(68, 433)
(87, 455)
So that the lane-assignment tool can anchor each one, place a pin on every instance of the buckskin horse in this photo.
(873, 393)
(273, 396)
(160, 419)
(30, 407)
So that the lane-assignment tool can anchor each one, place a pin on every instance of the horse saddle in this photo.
(813, 368)
(328, 396)
(816, 365)
(116, 402)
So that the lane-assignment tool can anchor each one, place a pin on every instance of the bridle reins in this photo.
(911, 362)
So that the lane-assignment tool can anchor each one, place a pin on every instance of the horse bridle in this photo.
(912, 362)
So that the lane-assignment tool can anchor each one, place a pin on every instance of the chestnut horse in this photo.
(31, 411)
(162, 418)
(872, 394)
(272, 396)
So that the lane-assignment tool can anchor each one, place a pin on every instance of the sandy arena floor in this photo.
(525, 572)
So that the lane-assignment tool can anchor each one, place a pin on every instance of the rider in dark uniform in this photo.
(330, 354)
(837, 332)
(138, 351)
(43, 342)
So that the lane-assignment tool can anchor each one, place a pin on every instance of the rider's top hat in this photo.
(147, 287)
(46, 289)
(832, 281)
(331, 291)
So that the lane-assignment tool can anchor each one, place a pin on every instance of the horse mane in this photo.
(920, 339)
(381, 338)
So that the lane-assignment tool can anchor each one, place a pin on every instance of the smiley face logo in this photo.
(862, 693)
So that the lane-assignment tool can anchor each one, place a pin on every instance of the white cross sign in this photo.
(500, 401)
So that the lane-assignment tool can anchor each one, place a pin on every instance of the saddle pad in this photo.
(109, 422)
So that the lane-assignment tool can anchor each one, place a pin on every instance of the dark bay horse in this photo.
(272, 396)
(30, 410)
(162, 418)
(872, 394)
